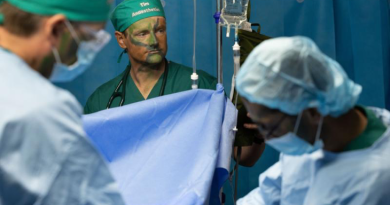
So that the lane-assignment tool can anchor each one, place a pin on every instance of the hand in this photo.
(250, 154)
(251, 126)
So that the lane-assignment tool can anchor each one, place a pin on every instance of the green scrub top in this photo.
(374, 130)
(178, 80)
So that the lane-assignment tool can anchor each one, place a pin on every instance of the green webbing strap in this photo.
(120, 56)
(248, 14)
(259, 27)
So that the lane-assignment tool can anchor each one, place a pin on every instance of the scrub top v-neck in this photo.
(134, 95)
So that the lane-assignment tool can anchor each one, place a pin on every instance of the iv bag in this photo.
(234, 12)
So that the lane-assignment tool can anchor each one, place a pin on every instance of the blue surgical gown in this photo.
(360, 177)
(45, 157)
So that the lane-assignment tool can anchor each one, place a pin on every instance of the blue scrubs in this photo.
(357, 177)
(45, 157)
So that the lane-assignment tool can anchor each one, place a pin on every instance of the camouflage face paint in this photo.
(148, 40)
(67, 50)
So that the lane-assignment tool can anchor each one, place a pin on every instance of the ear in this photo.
(121, 38)
(54, 27)
(314, 115)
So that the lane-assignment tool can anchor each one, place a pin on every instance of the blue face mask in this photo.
(291, 144)
(86, 54)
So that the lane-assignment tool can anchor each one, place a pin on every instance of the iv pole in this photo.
(219, 42)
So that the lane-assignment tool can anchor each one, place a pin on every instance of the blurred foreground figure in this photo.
(333, 151)
(45, 157)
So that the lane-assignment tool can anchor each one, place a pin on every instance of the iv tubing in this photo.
(194, 76)
(219, 42)
(236, 60)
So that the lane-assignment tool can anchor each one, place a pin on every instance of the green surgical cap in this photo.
(130, 11)
(74, 10)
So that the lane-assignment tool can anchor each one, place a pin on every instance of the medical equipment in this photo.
(217, 17)
(194, 76)
(236, 61)
(123, 82)
(234, 14)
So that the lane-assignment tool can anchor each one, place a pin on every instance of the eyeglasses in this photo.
(269, 132)
(87, 33)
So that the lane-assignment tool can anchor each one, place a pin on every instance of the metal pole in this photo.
(219, 45)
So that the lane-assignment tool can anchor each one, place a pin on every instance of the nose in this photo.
(153, 42)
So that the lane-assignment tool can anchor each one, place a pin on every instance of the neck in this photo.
(145, 77)
(22, 47)
(342, 130)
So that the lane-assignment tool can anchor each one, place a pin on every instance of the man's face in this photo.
(271, 123)
(146, 40)
(67, 45)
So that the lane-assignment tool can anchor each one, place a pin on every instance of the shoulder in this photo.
(352, 189)
(339, 180)
(46, 118)
(31, 94)
(206, 81)
(56, 113)
(99, 98)
(53, 129)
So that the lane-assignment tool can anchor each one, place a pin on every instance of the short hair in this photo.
(19, 22)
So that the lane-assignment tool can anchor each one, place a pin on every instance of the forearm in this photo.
(250, 154)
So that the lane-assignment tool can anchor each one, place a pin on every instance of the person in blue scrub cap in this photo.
(45, 156)
(333, 151)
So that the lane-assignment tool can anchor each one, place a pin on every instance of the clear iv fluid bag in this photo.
(234, 12)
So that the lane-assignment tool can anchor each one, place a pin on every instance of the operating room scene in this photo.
(192, 102)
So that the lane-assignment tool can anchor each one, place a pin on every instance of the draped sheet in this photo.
(173, 149)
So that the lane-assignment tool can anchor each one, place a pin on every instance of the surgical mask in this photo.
(291, 144)
(86, 54)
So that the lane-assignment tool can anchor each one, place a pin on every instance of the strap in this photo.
(258, 25)
(120, 56)
(248, 14)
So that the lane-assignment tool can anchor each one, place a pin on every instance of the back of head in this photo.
(24, 15)
(1, 15)
(292, 74)
(74, 10)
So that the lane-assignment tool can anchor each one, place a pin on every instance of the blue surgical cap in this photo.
(292, 74)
